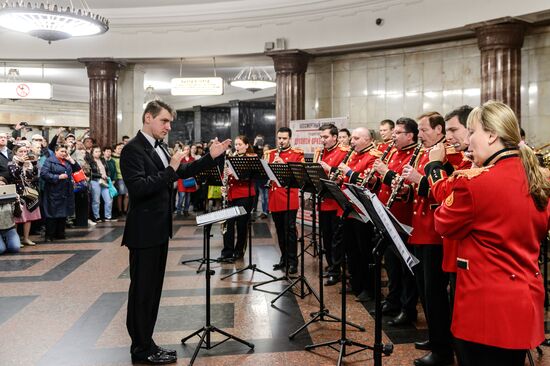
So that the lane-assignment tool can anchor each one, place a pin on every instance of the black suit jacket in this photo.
(151, 188)
(4, 172)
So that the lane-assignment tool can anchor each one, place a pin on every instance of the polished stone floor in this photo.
(64, 303)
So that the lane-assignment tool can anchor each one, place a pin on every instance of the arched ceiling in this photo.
(157, 34)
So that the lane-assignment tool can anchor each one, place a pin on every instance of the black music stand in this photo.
(206, 222)
(315, 173)
(248, 167)
(388, 232)
(300, 175)
(335, 192)
(211, 177)
(285, 177)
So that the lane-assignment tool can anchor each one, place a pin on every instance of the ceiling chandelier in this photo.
(52, 22)
(253, 79)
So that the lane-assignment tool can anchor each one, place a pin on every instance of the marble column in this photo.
(290, 67)
(500, 43)
(103, 75)
(130, 100)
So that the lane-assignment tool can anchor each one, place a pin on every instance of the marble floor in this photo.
(64, 303)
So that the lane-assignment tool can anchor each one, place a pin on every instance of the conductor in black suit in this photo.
(149, 173)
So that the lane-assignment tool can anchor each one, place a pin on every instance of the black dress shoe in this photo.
(278, 266)
(159, 358)
(401, 319)
(435, 359)
(167, 351)
(424, 345)
(389, 309)
(238, 256)
(225, 259)
(332, 280)
(292, 270)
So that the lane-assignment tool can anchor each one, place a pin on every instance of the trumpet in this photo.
(369, 176)
(401, 180)
(336, 174)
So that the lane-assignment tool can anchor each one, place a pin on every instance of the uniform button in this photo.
(537, 274)
(423, 213)
(415, 201)
(414, 213)
(513, 277)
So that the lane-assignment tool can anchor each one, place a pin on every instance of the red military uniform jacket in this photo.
(382, 146)
(441, 188)
(499, 298)
(239, 188)
(397, 159)
(424, 205)
(358, 162)
(333, 157)
(277, 195)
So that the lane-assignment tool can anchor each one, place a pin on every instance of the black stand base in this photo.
(204, 334)
(302, 281)
(253, 268)
(343, 343)
(201, 261)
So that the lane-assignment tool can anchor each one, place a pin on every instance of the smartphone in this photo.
(24, 123)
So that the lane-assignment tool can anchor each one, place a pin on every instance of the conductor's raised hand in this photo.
(217, 148)
(176, 160)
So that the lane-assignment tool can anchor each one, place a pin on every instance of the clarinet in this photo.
(369, 176)
(225, 180)
(401, 180)
(336, 174)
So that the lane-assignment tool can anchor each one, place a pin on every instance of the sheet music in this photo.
(410, 260)
(270, 173)
(220, 215)
(360, 210)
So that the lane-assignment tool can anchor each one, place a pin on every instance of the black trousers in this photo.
(401, 282)
(328, 224)
(358, 248)
(55, 227)
(475, 354)
(229, 247)
(284, 220)
(147, 267)
(432, 285)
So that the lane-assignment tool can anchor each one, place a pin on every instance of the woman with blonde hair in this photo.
(499, 213)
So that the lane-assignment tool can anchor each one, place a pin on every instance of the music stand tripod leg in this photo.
(209, 328)
(251, 265)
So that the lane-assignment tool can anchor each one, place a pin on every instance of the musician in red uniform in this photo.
(403, 295)
(499, 213)
(385, 129)
(428, 248)
(332, 156)
(443, 161)
(356, 234)
(240, 192)
(285, 217)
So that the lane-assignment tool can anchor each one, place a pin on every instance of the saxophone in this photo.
(336, 174)
(401, 180)
(369, 176)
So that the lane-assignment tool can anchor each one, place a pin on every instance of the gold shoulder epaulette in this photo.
(345, 148)
(376, 152)
(470, 173)
(297, 149)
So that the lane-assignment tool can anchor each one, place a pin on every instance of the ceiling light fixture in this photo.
(52, 22)
(253, 79)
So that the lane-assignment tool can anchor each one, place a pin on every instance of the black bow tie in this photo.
(158, 143)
